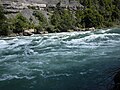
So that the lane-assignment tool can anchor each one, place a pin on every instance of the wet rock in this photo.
(117, 81)
(28, 32)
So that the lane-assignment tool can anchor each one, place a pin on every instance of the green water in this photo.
(62, 61)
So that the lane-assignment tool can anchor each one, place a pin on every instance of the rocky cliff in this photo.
(26, 7)
(34, 1)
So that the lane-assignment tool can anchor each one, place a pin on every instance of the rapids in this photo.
(60, 61)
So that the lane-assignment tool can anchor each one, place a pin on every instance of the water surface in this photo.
(62, 61)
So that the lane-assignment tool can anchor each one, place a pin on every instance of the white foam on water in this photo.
(65, 35)
(23, 42)
(47, 60)
(15, 43)
(78, 61)
(8, 57)
(37, 63)
(28, 51)
(90, 38)
(3, 44)
(104, 31)
(57, 75)
(83, 73)
(10, 77)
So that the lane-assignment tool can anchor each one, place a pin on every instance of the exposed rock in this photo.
(42, 32)
(45, 32)
(27, 7)
(117, 81)
(90, 29)
(19, 5)
(12, 35)
(28, 32)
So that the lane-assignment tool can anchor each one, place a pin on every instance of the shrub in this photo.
(4, 27)
(40, 16)
(38, 29)
(20, 23)
(63, 20)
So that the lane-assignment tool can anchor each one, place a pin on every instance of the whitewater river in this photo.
(62, 61)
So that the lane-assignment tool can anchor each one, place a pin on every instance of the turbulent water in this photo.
(62, 61)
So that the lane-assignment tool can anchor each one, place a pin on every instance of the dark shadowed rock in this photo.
(117, 81)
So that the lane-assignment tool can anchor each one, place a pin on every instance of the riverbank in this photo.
(30, 32)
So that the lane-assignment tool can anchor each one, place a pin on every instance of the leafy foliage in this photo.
(105, 11)
(40, 16)
(92, 18)
(63, 20)
(42, 21)
(4, 28)
(20, 23)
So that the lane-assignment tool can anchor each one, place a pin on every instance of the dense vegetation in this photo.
(63, 20)
(97, 13)
(108, 9)
(4, 29)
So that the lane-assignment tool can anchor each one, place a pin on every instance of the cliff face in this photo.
(33, 1)
(26, 7)
(15, 6)
(38, 1)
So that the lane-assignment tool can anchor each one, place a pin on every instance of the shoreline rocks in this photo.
(28, 32)
(90, 29)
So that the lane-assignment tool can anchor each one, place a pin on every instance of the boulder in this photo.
(90, 29)
(27, 33)
(43, 32)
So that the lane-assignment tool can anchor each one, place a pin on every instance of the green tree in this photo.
(116, 3)
(41, 17)
(63, 20)
(20, 23)
(55, 19)
(2, 16)
(42, 21)
(67, 20)
(79, 16)
(92, 18)
(115, 14)
(4, 27)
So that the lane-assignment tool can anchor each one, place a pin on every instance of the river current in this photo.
(60, 61)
